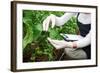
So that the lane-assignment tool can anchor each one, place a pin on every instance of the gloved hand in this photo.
(50, 20)
(58, 44)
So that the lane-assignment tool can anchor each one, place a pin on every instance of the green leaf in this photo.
(54, 34)
(29, 36)
(28, 14)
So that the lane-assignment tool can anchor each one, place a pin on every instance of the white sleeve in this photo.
(85, 41)
(63, 19)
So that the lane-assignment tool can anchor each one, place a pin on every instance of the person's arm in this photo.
(55, 20)
(63, 19)
(58, 44)
(80, 43)
(83, 42)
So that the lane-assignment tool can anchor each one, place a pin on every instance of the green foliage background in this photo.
(32, 28)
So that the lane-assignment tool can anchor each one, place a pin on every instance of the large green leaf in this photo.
(29, 36)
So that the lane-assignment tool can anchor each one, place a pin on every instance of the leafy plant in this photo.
(33, 34)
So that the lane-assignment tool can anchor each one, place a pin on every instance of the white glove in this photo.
(58, 44)
(49, 20)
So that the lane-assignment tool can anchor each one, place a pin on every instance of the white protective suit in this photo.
(74, 53)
